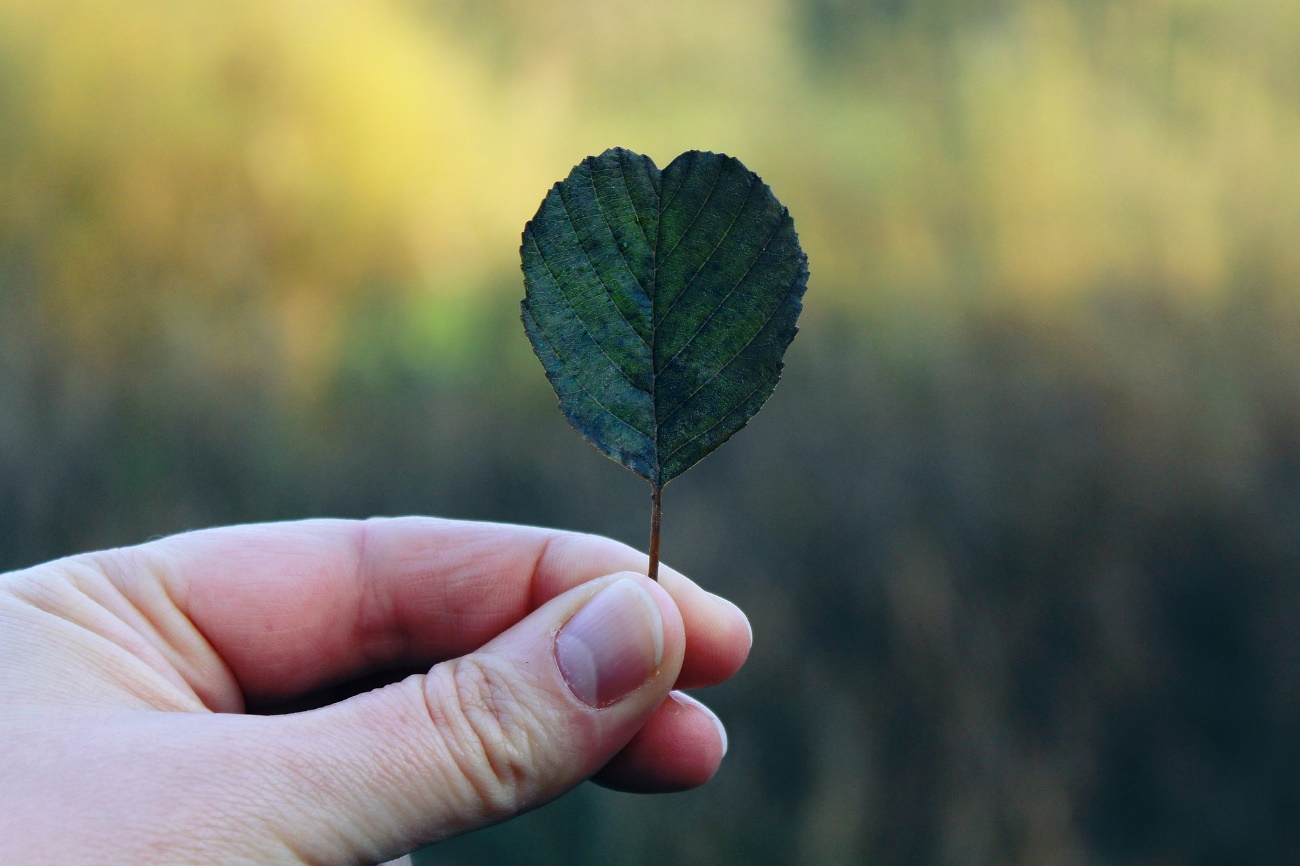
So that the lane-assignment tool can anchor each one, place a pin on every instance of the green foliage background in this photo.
(1020, 531)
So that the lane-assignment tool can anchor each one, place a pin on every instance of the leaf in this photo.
(661, 303)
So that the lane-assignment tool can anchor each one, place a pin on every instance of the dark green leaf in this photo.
(661, 303)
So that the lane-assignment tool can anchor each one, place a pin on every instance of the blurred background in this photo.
(1019, 532)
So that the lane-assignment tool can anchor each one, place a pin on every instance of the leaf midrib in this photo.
(662, 459)
(654, 329)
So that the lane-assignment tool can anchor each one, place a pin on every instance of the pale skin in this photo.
(134, 685)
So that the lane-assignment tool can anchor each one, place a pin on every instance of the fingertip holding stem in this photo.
(612, 645)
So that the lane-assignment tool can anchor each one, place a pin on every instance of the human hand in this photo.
(125, 676)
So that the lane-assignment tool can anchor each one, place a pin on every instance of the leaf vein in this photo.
(610, 412)
(569, 216)
(605, 217)
(716, 424)
(749, 192)
(722, 303)
(541, 255)
(622, 170)
(770, 316)
(691, 225)
(681, 183)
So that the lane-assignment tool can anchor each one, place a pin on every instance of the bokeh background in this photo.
(1019, 532)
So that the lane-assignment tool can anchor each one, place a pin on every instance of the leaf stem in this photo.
(656, 497)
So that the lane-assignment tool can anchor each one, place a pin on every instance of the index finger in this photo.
(291, 607)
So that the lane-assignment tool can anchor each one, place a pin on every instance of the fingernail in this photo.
(683, 698)
(612, 645)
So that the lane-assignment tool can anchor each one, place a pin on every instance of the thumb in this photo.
(483, 737)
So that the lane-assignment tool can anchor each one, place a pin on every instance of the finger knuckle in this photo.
(488, 730)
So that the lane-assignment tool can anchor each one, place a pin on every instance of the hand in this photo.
(125, 677)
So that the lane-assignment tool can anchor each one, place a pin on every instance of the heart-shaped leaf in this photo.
(661, 303)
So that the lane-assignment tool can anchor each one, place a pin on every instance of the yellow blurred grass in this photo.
(166, 163)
